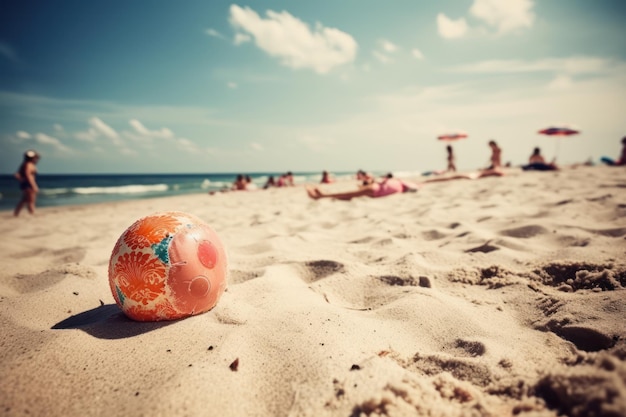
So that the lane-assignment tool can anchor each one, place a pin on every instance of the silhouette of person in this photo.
(387, 186)
(537, 162)
(271, 182)
(496, 155)
(26, 176)
(326, 179)
(622, 158)
(239, 183)
(451, 165)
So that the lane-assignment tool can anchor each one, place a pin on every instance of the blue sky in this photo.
(148, 86)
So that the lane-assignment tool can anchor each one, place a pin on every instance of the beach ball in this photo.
(167, 266)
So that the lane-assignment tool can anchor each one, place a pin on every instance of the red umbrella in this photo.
(450, 137)
(558, 131)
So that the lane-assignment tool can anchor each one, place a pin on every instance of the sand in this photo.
(488, 297)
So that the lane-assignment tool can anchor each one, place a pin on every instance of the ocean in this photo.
(76, 189)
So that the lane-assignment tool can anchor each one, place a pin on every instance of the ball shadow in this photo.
(108, 322)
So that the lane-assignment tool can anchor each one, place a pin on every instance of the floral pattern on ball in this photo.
(167, 266)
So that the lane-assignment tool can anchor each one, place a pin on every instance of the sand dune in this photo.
(490, 297)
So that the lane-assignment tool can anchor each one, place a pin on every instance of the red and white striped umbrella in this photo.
(559, 131)
(451, 137)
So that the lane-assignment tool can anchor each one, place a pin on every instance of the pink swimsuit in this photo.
(388, 187)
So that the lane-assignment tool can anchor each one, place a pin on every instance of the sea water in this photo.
(62, 190)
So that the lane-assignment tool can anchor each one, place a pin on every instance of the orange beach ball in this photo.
(167, 266)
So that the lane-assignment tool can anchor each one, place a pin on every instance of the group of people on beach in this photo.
(367, 185)
(388, 185)
(244, 182)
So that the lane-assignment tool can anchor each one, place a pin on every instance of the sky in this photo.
(155, 86)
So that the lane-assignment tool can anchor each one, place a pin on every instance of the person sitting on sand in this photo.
(289, 179)
(270, 182)
(26, 176)
(383, 188)
(451, 165)
(326, 179)
(537, 162)
(250, 186)
(496, 155)
(239, 184)
(622, 159)
(495, 169)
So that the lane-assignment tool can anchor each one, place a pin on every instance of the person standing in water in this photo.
(26, 176)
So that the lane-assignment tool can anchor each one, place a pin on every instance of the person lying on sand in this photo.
(536, 162)
(622, 159)
(383, 188)
(364, 178)
(488, 172)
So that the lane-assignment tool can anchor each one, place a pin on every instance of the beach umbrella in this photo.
(451, 137)
(558, 131)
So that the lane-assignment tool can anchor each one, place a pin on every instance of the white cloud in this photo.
(288, 38)
(232, 85)
(214, 33)
(256, 146)
(504, 15)
(187, 145)
(241, 38)
(44, 139)
(388, 46)
(97, 129)
(451, 29)
(58, 128)
(103, 128)
(89, 135)
(381, 57)
(573, 65)
(164, 133)
(417, 53)
(23, 135)
(561, 82)
(146, 136)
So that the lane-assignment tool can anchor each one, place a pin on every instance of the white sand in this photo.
(489, 297)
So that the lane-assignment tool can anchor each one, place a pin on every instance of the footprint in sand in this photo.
(525, 232)
(585, 338)
(484, 248)
(28, 283)
(321, 269)
(432, 235)
(468, 348)
(616, 232)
